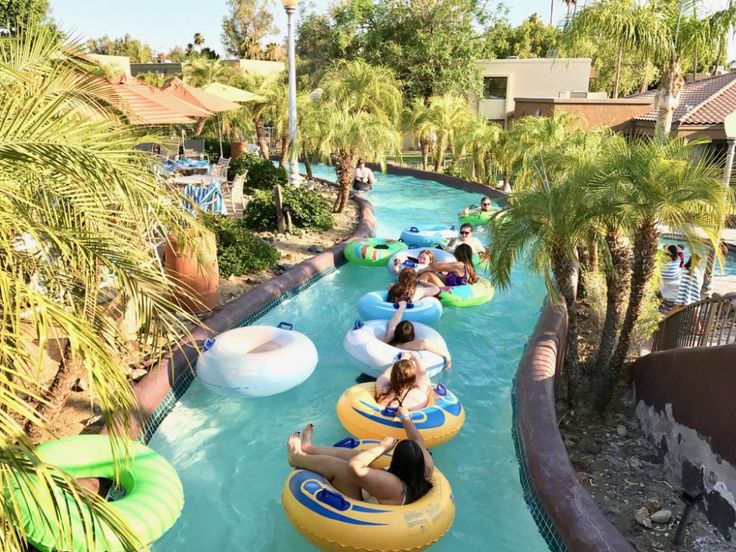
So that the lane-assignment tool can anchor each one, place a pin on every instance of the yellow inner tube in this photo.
(333, 522)
(364, 418)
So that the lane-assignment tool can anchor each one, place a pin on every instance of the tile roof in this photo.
(703, 102)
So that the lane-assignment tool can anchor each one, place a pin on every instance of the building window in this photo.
(494, 88)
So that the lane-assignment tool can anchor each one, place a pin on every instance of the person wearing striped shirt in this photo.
(691, 282)
(671, 273)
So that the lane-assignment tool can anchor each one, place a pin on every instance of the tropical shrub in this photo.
(238, 250)
(309, 209)
(264, 175)
(242, 164)
(212, 148)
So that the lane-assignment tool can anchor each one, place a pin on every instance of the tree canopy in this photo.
(21, 13)
(249, 21)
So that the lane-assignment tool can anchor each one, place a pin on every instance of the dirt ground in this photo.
(72, 411)
(624, 472)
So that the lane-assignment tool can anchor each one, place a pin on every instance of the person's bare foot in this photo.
(307, 433)
(294, 448)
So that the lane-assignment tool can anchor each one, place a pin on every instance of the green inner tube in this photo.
(152, 503)
(468, 295)
(476, 218)
(373, 252)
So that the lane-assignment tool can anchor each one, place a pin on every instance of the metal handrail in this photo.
(707, 323)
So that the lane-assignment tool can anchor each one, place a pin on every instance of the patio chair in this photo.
(236, 193)
(207, 198)
(220, 169)
(194, 148)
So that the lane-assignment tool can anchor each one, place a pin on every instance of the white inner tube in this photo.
(411, 256)
(256, 361)
(371, 355)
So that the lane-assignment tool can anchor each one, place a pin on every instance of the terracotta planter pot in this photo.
(195, 282)
(237, 149)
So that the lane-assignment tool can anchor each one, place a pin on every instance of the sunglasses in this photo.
(485, 204)
(465, 233)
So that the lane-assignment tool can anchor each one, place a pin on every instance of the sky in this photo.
(167, 23)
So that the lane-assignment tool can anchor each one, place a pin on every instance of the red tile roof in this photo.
(703, 102)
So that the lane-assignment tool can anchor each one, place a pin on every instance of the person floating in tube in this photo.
(363, 180)
(349, 471)
(485, 207)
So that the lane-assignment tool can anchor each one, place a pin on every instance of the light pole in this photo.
(294, 177)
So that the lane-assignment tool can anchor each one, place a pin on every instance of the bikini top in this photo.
(453, 279)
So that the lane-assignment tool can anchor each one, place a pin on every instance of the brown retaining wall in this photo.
(152, 389)
(578, 521)
(685, 404)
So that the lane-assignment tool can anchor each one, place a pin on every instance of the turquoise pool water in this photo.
(230, 453)
(728, 268)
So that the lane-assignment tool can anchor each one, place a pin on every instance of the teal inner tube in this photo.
(468, 295)
(373, 252)
(152, 503)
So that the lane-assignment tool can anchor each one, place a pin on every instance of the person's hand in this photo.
(402, 305)
(402, 411)
(405, 356)
(389, 443)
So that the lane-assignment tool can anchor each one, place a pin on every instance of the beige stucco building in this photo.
(507, 79)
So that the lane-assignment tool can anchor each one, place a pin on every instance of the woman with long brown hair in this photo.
(409, 288)
(406, 383)
(456, 273)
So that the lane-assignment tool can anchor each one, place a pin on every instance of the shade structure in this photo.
(198, 97)
(146, 105)
(231, 93)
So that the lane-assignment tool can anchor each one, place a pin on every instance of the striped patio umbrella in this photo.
(198, 97)
(231, 93)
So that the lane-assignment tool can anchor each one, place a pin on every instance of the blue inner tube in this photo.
(373, 306)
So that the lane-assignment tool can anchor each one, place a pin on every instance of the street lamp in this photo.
(294, 178)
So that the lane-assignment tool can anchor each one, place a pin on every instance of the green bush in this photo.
(244, 163)
(212, 149)
(264, 175)
(309, 209)
(238, 250)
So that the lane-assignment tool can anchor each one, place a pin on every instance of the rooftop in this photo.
(703, 102)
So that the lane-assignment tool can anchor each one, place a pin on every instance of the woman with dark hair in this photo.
(349, 471)
(400, 333)
(405, 383)
(409, 288)
(457, 273)
(671, 273)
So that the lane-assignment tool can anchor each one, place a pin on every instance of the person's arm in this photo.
(479, 247)
(438, 349)
(412, 433)
(394, 321)
(371, 177)
(384, 380)
(360, 463)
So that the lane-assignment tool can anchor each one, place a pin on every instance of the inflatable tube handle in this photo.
(441, 390)
(358, 324)
(380, 246)
(332, 498)
(410, 305)
(414, 229)
(452, 227)
(389, 412)
(208, 343)
(285, 326)
(347, 442)
(409, 263)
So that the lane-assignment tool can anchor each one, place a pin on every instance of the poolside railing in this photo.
(707, 323)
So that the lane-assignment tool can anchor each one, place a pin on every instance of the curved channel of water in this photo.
(230, 453)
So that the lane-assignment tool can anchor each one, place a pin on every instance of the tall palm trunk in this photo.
(200, 126)
(618, 280)
(617, 74)
(593, 254)
(584, 261)
(260, 124)
(645, 251)
(307, 164)
(424, 146)
(345, 166)
(668, 97)
(439, 157)
(284, 150)
(506, 183)
(564, 270)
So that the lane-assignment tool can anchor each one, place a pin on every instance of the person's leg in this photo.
(432, 278)
(335, 470)
(309, 448)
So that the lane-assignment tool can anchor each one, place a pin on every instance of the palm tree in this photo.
(346, 136)
(201, 72)
(259, 111)
(629, 24)
(418, 121)
(543, 223)
(75, 190)
(198, 40)
(449, 113)
(477, 140)
(655, 183)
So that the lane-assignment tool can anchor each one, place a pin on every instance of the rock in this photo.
(621, 431)
(642, 517)
(315, 249)
(654, 504)
(137, 374)
(661, 516)
(591, 447)
(582, 476)
(283, 267)
(652, 458)
(79, 385)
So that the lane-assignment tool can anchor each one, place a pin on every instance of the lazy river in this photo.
(231, 455)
